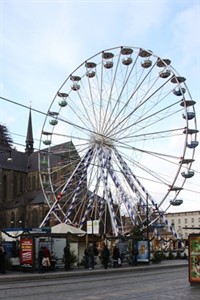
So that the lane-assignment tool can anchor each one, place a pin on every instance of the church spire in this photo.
(29, 137)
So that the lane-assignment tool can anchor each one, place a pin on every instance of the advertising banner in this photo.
(26, 252)
(194, 258)
(143, 251)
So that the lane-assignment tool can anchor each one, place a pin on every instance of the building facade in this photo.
(185, 223)
(24, 176)
(22, 202)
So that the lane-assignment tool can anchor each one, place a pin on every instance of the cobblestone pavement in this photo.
(165, 281)
(27, 274)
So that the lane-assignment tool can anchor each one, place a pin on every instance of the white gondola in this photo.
(175, 188)
(47, 141)
(190, 131)
(187, 174)
(187, 103)
(179, 91)
(90, 65)
(178, 79)
(53, 122)
(75, 87)
(126, 51)
(186, 161)
(193, 144)
(90, 74)
(163, 62)
(107, 56)
(75, 78)
(62, 95)
(189, 115)
(145, 53)
(127, 61)
(108, 64)
(165, 73)
(53, 114)
(62, 103)
(176, 202)
(146, 63)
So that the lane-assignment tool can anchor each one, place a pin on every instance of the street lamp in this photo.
(9, 151)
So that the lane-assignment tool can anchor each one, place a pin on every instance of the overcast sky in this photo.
(42, 42)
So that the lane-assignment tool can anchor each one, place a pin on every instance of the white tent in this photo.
(66, 228)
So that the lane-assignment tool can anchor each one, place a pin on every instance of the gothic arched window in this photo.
(12, 220)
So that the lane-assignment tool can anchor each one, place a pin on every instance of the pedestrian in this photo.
(40, 259)
(47, 259)
(90, 253)
(2, 260)
(86, 257)
(116, 257)
(67, 257)
(96, 252)
(134, 256)
(46, 263)
(105, 255)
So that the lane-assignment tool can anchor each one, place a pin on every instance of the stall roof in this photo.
(66, 228)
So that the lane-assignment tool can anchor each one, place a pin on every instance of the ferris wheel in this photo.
(118, 140)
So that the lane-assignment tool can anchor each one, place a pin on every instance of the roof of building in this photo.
(23, 163)
(182, 213)
(27, 198)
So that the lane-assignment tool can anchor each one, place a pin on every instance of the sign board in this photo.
(143, 251)
(26, 253)
(93, 227)
(194, 258)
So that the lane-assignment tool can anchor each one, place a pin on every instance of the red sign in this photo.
(26, 253)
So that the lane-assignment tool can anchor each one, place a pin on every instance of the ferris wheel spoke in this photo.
(124, 119)
(123, 107)
(149, 123)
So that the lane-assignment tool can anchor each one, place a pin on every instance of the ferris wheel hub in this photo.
(99, 139)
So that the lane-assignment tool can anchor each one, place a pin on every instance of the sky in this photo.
(42, 42)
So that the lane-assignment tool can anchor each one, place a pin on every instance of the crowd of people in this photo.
(47, 260)
(106, 256)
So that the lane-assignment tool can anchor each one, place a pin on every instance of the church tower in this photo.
(29, 137)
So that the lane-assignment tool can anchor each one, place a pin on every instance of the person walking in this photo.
(116, 257)
(2, 260)
(40, 259)
(105, 256)
(67, 257)
(134, 256)
(90, 253)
